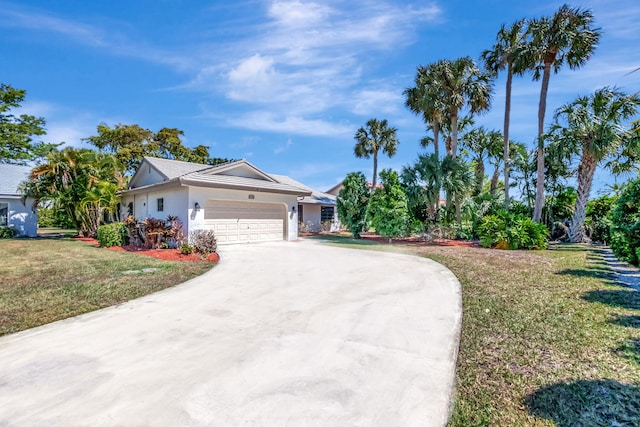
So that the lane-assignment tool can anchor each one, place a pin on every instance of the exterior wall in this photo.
(312, 218)
(201, 194)
(21, 217)
(147, 176)
(145, 204)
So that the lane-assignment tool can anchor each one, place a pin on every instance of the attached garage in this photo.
(242, 222)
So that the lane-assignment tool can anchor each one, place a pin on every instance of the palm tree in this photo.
(566, 37)
(378, 135)
(595, 130)
(459, 84)
(504, 54)
(483, 145)
(456, 181)
(422, 99)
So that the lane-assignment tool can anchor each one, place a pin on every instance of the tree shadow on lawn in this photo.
(628, 299)
(626, 321)
(630, 349)
(587, 403)
(592, 272)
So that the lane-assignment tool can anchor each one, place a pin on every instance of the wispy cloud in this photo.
(290, 124)
(283, 147)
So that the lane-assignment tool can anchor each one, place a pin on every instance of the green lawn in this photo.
(43, 280)
(547, 337)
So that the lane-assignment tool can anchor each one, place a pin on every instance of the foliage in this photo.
(483, 145)
(595, 129)
(187, 249)
(81, 182)
(130, 143)
(505, 230)
(388, 206)
(204, 241)
(598, 220)
(475, 208)
(114, 234)
(625, 230)
(51, 217)
(17, 134)
(377, 136)
(8, 232)
(352, 203)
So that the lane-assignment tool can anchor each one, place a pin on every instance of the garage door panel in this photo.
(235, 222)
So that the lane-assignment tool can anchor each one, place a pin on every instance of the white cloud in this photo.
(295, 125)
(284, 147)
(368, 102)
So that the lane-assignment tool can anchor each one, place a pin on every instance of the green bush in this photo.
(204, 241)
(115, 234)
(187, 249)
(506, 230)
(8, 232)
(352, 203)
(625, 219)
(598, 220)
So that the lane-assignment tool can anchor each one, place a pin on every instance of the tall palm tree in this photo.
(377, 136)
(505, 54)
(459, 84)
(595, 130)
(567, 37)
(423, 99)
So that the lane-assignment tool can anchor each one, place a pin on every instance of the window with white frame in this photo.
(326, 213)
(161, 204)
(4, 214)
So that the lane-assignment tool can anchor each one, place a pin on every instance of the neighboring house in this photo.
(236, 200)
(335, 190)
(13, 212)
(316, 212)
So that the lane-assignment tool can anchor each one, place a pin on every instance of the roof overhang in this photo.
(243, 186)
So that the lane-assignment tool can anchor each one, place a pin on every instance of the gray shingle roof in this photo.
(241, 182)
(316, 197)
(11, 176)
(175, 168)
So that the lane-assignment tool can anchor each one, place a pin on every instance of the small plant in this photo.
(7, 232)
(505, 230)
(204, 241)
(115, 234)
(187, 249)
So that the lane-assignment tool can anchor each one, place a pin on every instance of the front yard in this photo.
(45, 280)
(547, 337)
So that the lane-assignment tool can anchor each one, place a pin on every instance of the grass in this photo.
(44, 280)
(547, 337)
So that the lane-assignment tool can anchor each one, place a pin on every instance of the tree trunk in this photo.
(507, 117)
(454, 133)
(586, 170)
(494, 181)
(458, 206)
(542, 106)
(436, 133)
(479, 177)
(375, 172)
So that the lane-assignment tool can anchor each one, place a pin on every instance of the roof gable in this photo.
(240, 168)
(316, 196)
(11, 176)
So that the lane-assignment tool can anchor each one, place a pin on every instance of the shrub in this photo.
(352, 203)
(204, 241)
(187, 249)
(625, 228)
(505, 230)
(115, 234)
(598, 221)
(388, 206)
(8, 232)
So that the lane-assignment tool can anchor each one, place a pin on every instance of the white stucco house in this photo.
(14, 213)
(236, 200)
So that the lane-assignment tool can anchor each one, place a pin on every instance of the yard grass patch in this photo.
(547, 337)
(45, 280)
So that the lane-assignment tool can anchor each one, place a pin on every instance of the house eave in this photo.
(196, 183)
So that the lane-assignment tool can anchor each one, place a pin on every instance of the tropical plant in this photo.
(506, 230)
(456, 85)
(598, 220)
(375, 137)
(423, 100)
(352, 203)
(456, 181)
(595, 128)
(8, 232)
(81, 182)
(505, 54)
(388, 207)
(483, 144)
(204, 241)
(625, 218)
(567, 37)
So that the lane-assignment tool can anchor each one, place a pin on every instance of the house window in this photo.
(326, 213)
(4, 214)
(300, 213)
(161, 204)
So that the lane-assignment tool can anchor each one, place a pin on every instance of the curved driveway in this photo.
(279, 334)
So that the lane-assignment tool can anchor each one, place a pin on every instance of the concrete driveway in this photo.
(279, 334)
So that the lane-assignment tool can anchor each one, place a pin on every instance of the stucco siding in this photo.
(21, 217)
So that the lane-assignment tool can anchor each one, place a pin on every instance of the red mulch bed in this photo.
(164, 254)
(417, 241)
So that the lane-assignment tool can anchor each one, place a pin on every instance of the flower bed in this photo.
(164, 254)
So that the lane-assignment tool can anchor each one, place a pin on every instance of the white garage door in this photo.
(241, 222)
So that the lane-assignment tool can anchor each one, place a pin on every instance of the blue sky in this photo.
(284, 84)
